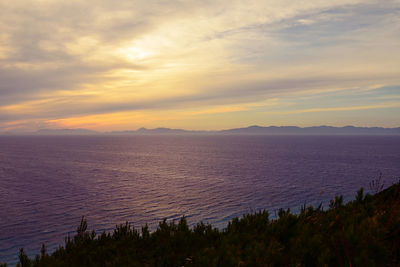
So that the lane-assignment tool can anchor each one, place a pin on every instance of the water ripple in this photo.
(48, 183)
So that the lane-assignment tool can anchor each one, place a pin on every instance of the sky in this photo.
(200, 65)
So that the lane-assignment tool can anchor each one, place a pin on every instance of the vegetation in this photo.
(364, 232)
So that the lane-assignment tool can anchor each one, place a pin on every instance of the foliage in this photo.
(364, 232)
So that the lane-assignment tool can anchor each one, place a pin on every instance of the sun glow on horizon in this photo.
(199, 66)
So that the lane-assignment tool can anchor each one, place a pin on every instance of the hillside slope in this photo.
(364, 232)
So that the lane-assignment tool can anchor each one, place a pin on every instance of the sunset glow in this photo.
(121, 65)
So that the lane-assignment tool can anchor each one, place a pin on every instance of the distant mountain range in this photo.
(251, 130)
(314, 130)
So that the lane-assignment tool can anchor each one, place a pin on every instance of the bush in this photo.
(365, 232)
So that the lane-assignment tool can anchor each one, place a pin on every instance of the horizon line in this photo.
(149, 130)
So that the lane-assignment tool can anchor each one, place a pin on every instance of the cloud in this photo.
(81, 58)
(349, 108)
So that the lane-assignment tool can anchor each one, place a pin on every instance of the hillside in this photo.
(363, 232)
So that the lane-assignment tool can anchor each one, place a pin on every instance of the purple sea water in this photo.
(48, 183)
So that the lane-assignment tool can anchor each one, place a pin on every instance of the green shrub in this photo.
(364, 232)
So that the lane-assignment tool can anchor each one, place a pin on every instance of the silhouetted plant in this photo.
(82, 227)
(43, 251)
(377, 184)
(364, 232)
(336, 203)
(23, 259)
(360, 195)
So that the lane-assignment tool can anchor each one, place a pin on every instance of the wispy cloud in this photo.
(63, 61)
(349, 108)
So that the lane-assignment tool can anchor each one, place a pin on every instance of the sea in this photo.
(47, 183)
